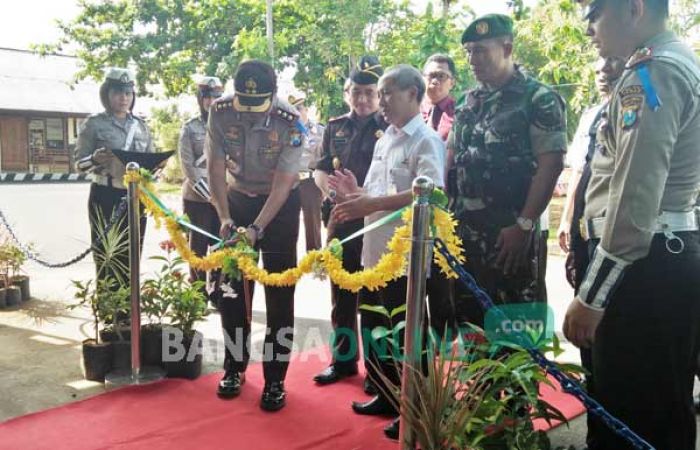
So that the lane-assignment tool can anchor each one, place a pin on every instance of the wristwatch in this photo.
(259, 233)
(525, 224)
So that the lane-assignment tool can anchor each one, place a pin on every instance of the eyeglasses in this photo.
(440, 76)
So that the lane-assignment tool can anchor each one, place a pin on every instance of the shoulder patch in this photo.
(641, 55)
(631, 90)
(548, 110)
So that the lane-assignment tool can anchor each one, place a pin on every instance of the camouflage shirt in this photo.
(495, 139)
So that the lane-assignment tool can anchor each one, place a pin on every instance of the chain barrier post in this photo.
(415, 301)
(568, 385)
(138, 374)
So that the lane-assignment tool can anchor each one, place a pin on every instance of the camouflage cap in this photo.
(368, 70)
(487, 27)
(119, 75)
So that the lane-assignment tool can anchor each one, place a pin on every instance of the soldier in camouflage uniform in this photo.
(196, 197)
(505, 152)
(115, 128)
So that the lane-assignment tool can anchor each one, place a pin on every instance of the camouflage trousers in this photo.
(526, 285)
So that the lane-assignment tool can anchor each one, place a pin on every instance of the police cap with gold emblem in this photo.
(487, 27)
(255, 83)
(367, 71)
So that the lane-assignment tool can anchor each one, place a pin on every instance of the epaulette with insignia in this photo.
(224, 103)
(641, 55)
(339, 118)
(286, 113)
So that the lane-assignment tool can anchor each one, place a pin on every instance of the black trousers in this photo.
(345, 342)
(645, 353)
(380, 353)
(278, 249)
(204, 216)
(102, 204)
(311, 207)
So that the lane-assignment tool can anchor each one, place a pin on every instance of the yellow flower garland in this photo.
(391, 265)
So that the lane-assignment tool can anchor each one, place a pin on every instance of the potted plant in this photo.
(114, 298)
(11, 294)
(96, 359)
(17, 258)
(187, 304)
(156, 296)
(475, 395)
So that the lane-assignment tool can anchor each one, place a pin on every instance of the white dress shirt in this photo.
(400, 155)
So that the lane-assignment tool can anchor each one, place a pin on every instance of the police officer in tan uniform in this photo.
(263, 139)
(196, 195)
(309, 192)
(638, 307)
(115, 128)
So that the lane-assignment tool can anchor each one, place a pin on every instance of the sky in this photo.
(27, 22)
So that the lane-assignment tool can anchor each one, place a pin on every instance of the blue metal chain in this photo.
(568, 385)
(116, 216)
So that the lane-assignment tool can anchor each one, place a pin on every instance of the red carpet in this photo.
(180, 414)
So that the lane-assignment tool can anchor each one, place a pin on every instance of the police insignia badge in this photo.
(482, 28)
(629, 117)
(379, 134)
(124, 78)
(273, 136)
(295, 138)
(251, 86)
(336, 163)
(212, 83)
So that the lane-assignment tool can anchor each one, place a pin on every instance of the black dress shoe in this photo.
(369, 387)
(273, 396)
(378, 406)
(331, 374)
(392, 430)
(230, 385)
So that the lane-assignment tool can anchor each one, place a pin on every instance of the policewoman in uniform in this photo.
(638, 307)
(114, 128)
(262, 138)
(310, 193)
(196, 195)
(348, 144)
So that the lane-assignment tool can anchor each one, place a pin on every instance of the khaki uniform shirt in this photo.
(312, 149)
(255, 145)
(650, 162)
(104, 131)
(192, 158)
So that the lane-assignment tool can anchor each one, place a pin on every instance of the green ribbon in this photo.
(374, 225)
(179, 220)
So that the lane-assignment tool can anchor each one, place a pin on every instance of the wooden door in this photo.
(14, 149)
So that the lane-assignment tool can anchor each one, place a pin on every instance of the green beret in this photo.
(487, 27)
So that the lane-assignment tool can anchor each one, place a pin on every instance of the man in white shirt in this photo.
(408, 149)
